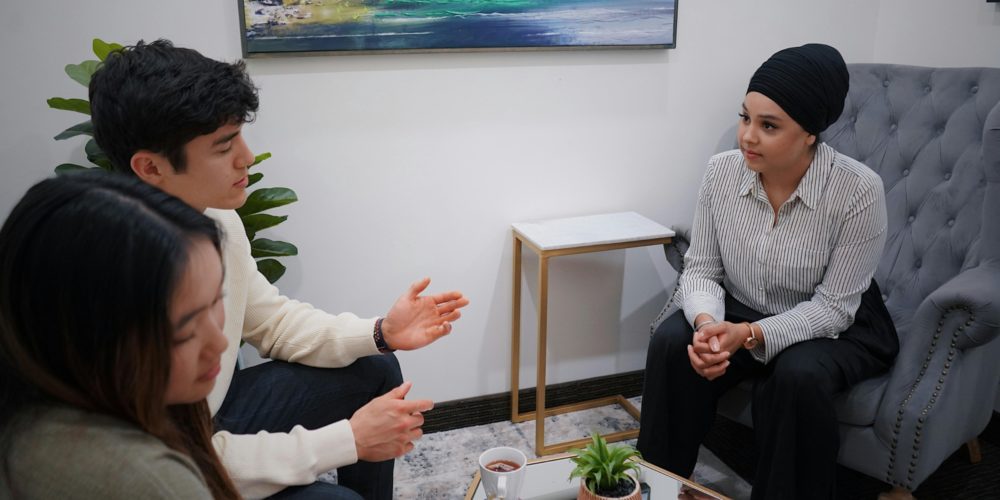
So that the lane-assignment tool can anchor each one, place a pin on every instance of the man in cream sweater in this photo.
(333, 398)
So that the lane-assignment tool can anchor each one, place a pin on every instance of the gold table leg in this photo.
(543, 305)
(515, 332)
(541, 412)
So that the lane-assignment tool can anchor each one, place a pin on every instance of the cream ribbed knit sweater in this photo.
(280, 328)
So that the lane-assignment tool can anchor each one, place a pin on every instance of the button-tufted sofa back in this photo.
(922, 130)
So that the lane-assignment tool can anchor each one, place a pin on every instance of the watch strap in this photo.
(380, 342)
(752, 340)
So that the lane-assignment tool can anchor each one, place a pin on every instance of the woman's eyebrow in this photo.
(774, 118)
(190, 315)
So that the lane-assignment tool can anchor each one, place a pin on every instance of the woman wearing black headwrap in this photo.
(777, 286)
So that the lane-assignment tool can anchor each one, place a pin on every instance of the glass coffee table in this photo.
(547, 478)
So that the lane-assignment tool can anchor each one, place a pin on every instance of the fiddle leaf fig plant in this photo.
(263, 250)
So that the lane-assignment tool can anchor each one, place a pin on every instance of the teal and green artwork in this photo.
(295, 26)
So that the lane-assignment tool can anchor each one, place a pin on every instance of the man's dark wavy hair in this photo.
(158, 97)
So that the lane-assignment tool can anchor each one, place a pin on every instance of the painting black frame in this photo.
(251, 52)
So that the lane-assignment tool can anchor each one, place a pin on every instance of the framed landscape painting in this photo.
(352, 26)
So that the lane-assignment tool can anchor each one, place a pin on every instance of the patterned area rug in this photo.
(443, 463)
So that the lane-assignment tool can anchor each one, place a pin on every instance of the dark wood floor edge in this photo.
(480, 410)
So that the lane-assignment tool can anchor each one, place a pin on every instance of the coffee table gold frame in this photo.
(541, 412)
(470, 492)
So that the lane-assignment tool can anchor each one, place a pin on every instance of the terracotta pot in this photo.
(586, 494)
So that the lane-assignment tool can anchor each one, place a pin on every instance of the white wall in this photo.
(926, 33)
(412, 165)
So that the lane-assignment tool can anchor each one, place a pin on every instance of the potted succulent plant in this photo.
(604, 472)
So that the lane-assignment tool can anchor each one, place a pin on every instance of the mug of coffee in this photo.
(502, 472)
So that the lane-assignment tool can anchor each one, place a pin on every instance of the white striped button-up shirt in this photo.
(808, 269)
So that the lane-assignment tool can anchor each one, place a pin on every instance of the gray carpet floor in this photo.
(442, 464)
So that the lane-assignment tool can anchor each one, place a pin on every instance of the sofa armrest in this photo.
(935, 398)
(942, 357)
(975, 294)
(677, 247)
(674, 251)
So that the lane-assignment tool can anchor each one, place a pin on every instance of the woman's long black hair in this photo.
(88, 266)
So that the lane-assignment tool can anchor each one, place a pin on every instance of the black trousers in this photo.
(795, 425)
(277, 396)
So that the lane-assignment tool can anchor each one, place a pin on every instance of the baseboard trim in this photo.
(480, 410)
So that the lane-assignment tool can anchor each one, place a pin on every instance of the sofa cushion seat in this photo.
(859, 404)
(855, 406)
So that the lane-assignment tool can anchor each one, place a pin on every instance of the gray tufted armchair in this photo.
(933, 134)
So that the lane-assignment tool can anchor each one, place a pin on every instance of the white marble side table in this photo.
(553, 238)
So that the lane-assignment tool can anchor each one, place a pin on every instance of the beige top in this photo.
(280, 328)
(62, 452)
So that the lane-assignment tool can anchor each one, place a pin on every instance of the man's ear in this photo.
(149, 166)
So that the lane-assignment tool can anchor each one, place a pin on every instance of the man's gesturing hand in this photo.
(415, 321)
(386, 427)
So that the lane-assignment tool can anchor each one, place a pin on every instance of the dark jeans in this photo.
(795, 425)
(276, 396)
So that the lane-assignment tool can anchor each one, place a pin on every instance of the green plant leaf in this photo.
(82, 72)
(267, 198)
(259, 158)
(96, 155)
(82, 128)
(598, 476)
(618, 456)
(78, 105)
(633, 467)
(271, 269)
(600, 466)
(103, 164)
(66, 168)
(254, 178)
(263, 247)
(102, 48)
(600, 447)
(259, 222)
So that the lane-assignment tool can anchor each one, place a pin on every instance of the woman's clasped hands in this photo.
(713, 344)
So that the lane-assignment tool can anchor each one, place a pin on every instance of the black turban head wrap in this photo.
(808, 82)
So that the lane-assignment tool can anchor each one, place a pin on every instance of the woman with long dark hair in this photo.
(110, 339)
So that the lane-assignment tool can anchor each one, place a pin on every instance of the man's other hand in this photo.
(387, 426)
